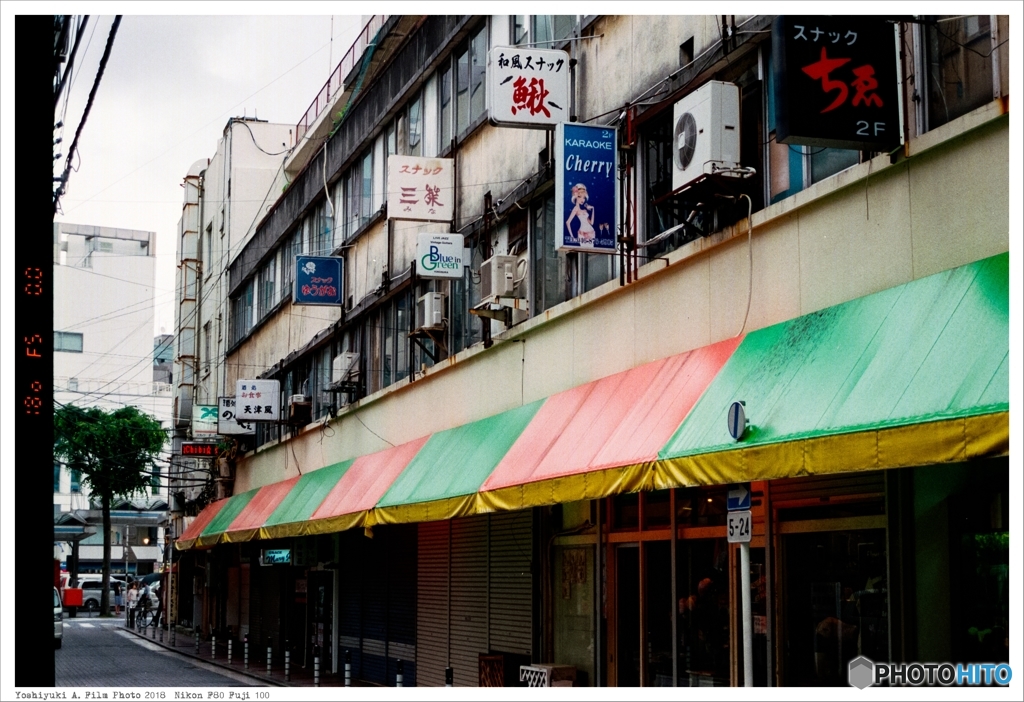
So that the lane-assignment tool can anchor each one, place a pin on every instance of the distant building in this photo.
(104, 357)
(163, 358)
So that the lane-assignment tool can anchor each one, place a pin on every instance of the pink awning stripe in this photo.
(202, 520)
(366, 481)
(262, 505)
(621, 420)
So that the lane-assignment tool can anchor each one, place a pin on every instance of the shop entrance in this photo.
(320, 599)
(834, 604)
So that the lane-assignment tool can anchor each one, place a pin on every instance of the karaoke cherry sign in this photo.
(836, 82)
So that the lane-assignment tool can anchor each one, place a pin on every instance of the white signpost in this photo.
(421, 189)
(439, 255)
(204, 420)
(739, 531)
(258, 400)
(529, 87)
(228, 424)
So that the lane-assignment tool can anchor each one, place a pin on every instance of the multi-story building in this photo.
(103, 342)
(545, 459)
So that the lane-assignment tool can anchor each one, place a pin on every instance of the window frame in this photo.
(60, 339)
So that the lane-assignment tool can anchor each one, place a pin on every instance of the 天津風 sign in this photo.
(258, 400)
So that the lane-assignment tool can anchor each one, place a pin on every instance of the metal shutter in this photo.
(402, 602)
(432, 603)
(374, 564)
(469, 598)
(350, 599)
(511, 582)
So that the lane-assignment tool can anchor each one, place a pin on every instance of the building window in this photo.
(67, 341)
(154, 481)
(265, 281)
(550, 268)
(56, 477)
(241, 313)
(206, 348)
(359, 194)
(76, 480)
(541, 30)
(958, 67)
(470, 68)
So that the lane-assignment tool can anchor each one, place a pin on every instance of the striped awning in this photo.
(914, 375)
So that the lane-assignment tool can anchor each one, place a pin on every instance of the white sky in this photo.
(169, 87)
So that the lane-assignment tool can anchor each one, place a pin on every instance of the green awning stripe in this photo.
(935, 348)
(227, 514)
(308, 494)
(455, 462)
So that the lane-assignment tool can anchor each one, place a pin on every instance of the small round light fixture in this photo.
(737, 420)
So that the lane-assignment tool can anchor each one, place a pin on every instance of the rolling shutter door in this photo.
(432, 603)
(373, 567)
(402, 602)
(511, 582)
(350, 600)
(469, 598)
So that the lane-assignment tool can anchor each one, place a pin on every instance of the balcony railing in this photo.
(335, 84)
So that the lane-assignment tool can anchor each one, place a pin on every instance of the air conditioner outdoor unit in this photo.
(498, 277)
(430, 311)
(706, 135)
(300, 409)
(345, 367)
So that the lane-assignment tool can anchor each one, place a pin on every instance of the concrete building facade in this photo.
(539, 483)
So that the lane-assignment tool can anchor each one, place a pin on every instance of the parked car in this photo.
(58, 620)
(92, 591)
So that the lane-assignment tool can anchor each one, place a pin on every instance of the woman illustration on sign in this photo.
(585, 213)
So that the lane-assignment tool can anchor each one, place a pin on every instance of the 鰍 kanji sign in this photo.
(836, 82)
(258, 400)
(529, 88)
(421, 188)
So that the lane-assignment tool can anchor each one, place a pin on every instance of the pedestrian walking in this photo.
(117, 598)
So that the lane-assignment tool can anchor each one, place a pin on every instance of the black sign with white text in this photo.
(836, 82)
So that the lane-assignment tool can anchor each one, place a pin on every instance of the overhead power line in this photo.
(62, 186)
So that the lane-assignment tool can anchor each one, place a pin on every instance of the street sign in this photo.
(738, 524)
(227, 424)
(737, 420)
(738, 497)
(199, 449)
(204, 420)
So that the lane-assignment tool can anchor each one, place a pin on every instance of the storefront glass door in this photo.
(703, 612)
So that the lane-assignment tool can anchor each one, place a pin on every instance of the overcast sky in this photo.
(169, 87)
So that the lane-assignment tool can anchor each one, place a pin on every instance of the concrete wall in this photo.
(867, 229)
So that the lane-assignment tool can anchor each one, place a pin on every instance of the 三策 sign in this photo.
(258, 400)
(586, 192)
(529, 87)
(439, 255)
(421, 189)
(836, 82)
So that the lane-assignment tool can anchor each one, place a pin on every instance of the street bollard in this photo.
(230, 641)
(197, 640)
(316, 666)
(399, 677)
(161, 634)
(348, 668)
(174, 636)
(245, 651)
(270, 655)
(213, 646)
(449, 677)
(287, 663)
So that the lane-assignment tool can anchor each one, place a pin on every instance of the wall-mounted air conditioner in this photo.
(706, 135)
(345, 368)
(498, 277)
(300, 409)
(430, 311)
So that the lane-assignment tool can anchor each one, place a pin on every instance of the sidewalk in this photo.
(185, 644)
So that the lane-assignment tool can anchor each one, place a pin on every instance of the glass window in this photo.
(401, 337)
(959, 66)
(462, 92)
(67, 341)
(520, 29)
(478, 66)
(76, 480)
(445, 98)
(56, 477)
(154, 481)
(550, 269)
(367, 188)
(415, 125)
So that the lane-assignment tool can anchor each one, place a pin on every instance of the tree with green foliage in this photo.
(115, 452)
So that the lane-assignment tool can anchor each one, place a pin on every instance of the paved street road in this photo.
(97, 653)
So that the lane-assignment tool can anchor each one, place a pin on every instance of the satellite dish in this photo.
(685, 140)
